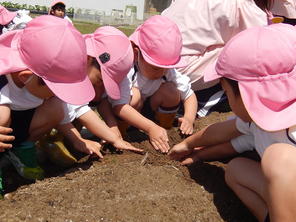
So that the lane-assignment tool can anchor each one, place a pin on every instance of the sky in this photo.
(104, 5)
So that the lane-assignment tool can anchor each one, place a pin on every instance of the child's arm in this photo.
(157, 135)
(79, 143)
(106, 112)
(214, 134)
(210, 153)
(190, 109)
(97, 127)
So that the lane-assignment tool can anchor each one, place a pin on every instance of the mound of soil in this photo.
(127, 187)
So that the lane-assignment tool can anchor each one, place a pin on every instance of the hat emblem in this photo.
(105, 57)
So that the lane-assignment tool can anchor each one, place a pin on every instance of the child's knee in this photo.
(55, 108)
(166, 96)
(170, 92)
(231, 170)
(278, 162)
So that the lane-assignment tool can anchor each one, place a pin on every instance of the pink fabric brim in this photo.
(135, 38)
(10, 59)
(112, 88)
(7, 17)
(68, 91)
(271, 113)
(90, 48)
(210, 72)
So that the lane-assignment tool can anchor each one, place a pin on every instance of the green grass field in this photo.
(85, 27)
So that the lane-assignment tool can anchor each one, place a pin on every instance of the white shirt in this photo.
(206, 26)
(19, 21)
(72, 112)
(261, 139)
(148, 87)
(17, 98)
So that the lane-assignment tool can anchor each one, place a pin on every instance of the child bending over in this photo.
(257, 71)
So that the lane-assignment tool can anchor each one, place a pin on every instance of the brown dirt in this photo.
(120, 188)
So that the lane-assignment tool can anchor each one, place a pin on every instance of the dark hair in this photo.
(59, 6)
(234, 85)
(264, 4)
(41, 81)
(95, 63)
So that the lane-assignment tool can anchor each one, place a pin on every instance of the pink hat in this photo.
(6, 16)
(262, 60)
(114, 53)
(53, 3)
(160, 42)
(54, 50)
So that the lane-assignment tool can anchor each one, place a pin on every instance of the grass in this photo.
(88, 27)
(85, 27)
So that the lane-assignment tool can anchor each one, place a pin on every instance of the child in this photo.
(32, 61)
(13, 20)
(257, 71)
(206, 27)
(110, 57)
(58, 8)
(154, 81)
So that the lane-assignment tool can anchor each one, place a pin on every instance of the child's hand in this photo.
(192, 157)
(123, 145)
(186, 126)
(90, 147)
(180, 151)
(159, 138)
(5, 138)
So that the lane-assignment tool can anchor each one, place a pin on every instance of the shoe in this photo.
(165, 120)
(57, 152)
(29, 172)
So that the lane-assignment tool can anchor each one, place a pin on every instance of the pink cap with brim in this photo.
(54, 50)
(262, 60)
(160, 42)
(114, 53)
(6, 16)
(53, 3)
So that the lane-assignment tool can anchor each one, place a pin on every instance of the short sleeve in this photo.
(71, 112)
(182, 83)
(243, 143)
(125, 93)
(243, 127)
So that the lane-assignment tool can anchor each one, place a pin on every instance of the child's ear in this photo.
(24, 75)
(136, 53)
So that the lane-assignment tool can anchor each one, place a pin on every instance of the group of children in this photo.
(51, 75)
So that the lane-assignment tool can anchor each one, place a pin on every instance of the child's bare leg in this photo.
(279, 168)
(245, 178)
(46, 117)
(165, 103)
(167, 96)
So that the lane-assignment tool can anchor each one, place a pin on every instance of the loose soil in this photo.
(124, 187)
